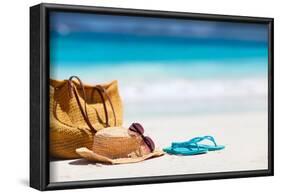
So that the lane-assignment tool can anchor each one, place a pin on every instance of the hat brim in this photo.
(94, 157)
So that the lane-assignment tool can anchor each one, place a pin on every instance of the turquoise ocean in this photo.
(161, 70)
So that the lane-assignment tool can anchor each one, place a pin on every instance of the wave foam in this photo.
(181, 89)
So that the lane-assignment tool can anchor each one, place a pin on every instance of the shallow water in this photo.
(160, 70)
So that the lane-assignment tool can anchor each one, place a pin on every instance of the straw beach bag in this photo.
(78, 111)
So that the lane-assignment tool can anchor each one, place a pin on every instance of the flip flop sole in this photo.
(215, 148)
(184, 151)
(209, 147)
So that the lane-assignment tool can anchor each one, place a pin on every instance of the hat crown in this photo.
(118, 142)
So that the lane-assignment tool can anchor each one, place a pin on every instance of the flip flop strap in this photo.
(185, 145)
(196, 140)
(212, 139)
(199, 139)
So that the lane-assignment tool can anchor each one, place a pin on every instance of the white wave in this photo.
(194, 90)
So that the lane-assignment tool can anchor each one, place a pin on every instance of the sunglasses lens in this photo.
(138, 127)
(149, 143)
(132, 128)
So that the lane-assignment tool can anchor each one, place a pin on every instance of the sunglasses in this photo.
(136, 127)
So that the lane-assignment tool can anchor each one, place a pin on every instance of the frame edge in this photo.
(38, 87)
(37, 169)
(157, 13)
(271, 97)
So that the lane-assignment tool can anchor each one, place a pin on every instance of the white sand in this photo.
(243, 134)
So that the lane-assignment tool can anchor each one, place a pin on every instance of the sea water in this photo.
(164, 75)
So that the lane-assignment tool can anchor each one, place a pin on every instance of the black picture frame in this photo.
(39, 97)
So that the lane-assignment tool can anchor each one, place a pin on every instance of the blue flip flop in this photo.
(193, 143)
(191, 149)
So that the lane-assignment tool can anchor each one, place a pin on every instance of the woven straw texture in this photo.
(68, 129)
(116, 145)
(116, 142)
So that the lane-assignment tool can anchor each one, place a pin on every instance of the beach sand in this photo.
(243, 134)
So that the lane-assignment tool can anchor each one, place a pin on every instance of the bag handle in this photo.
(74, 89)
(100, 90)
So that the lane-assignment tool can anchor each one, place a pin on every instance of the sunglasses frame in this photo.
(138, 128)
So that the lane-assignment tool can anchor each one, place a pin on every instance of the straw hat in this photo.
(118, 145)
